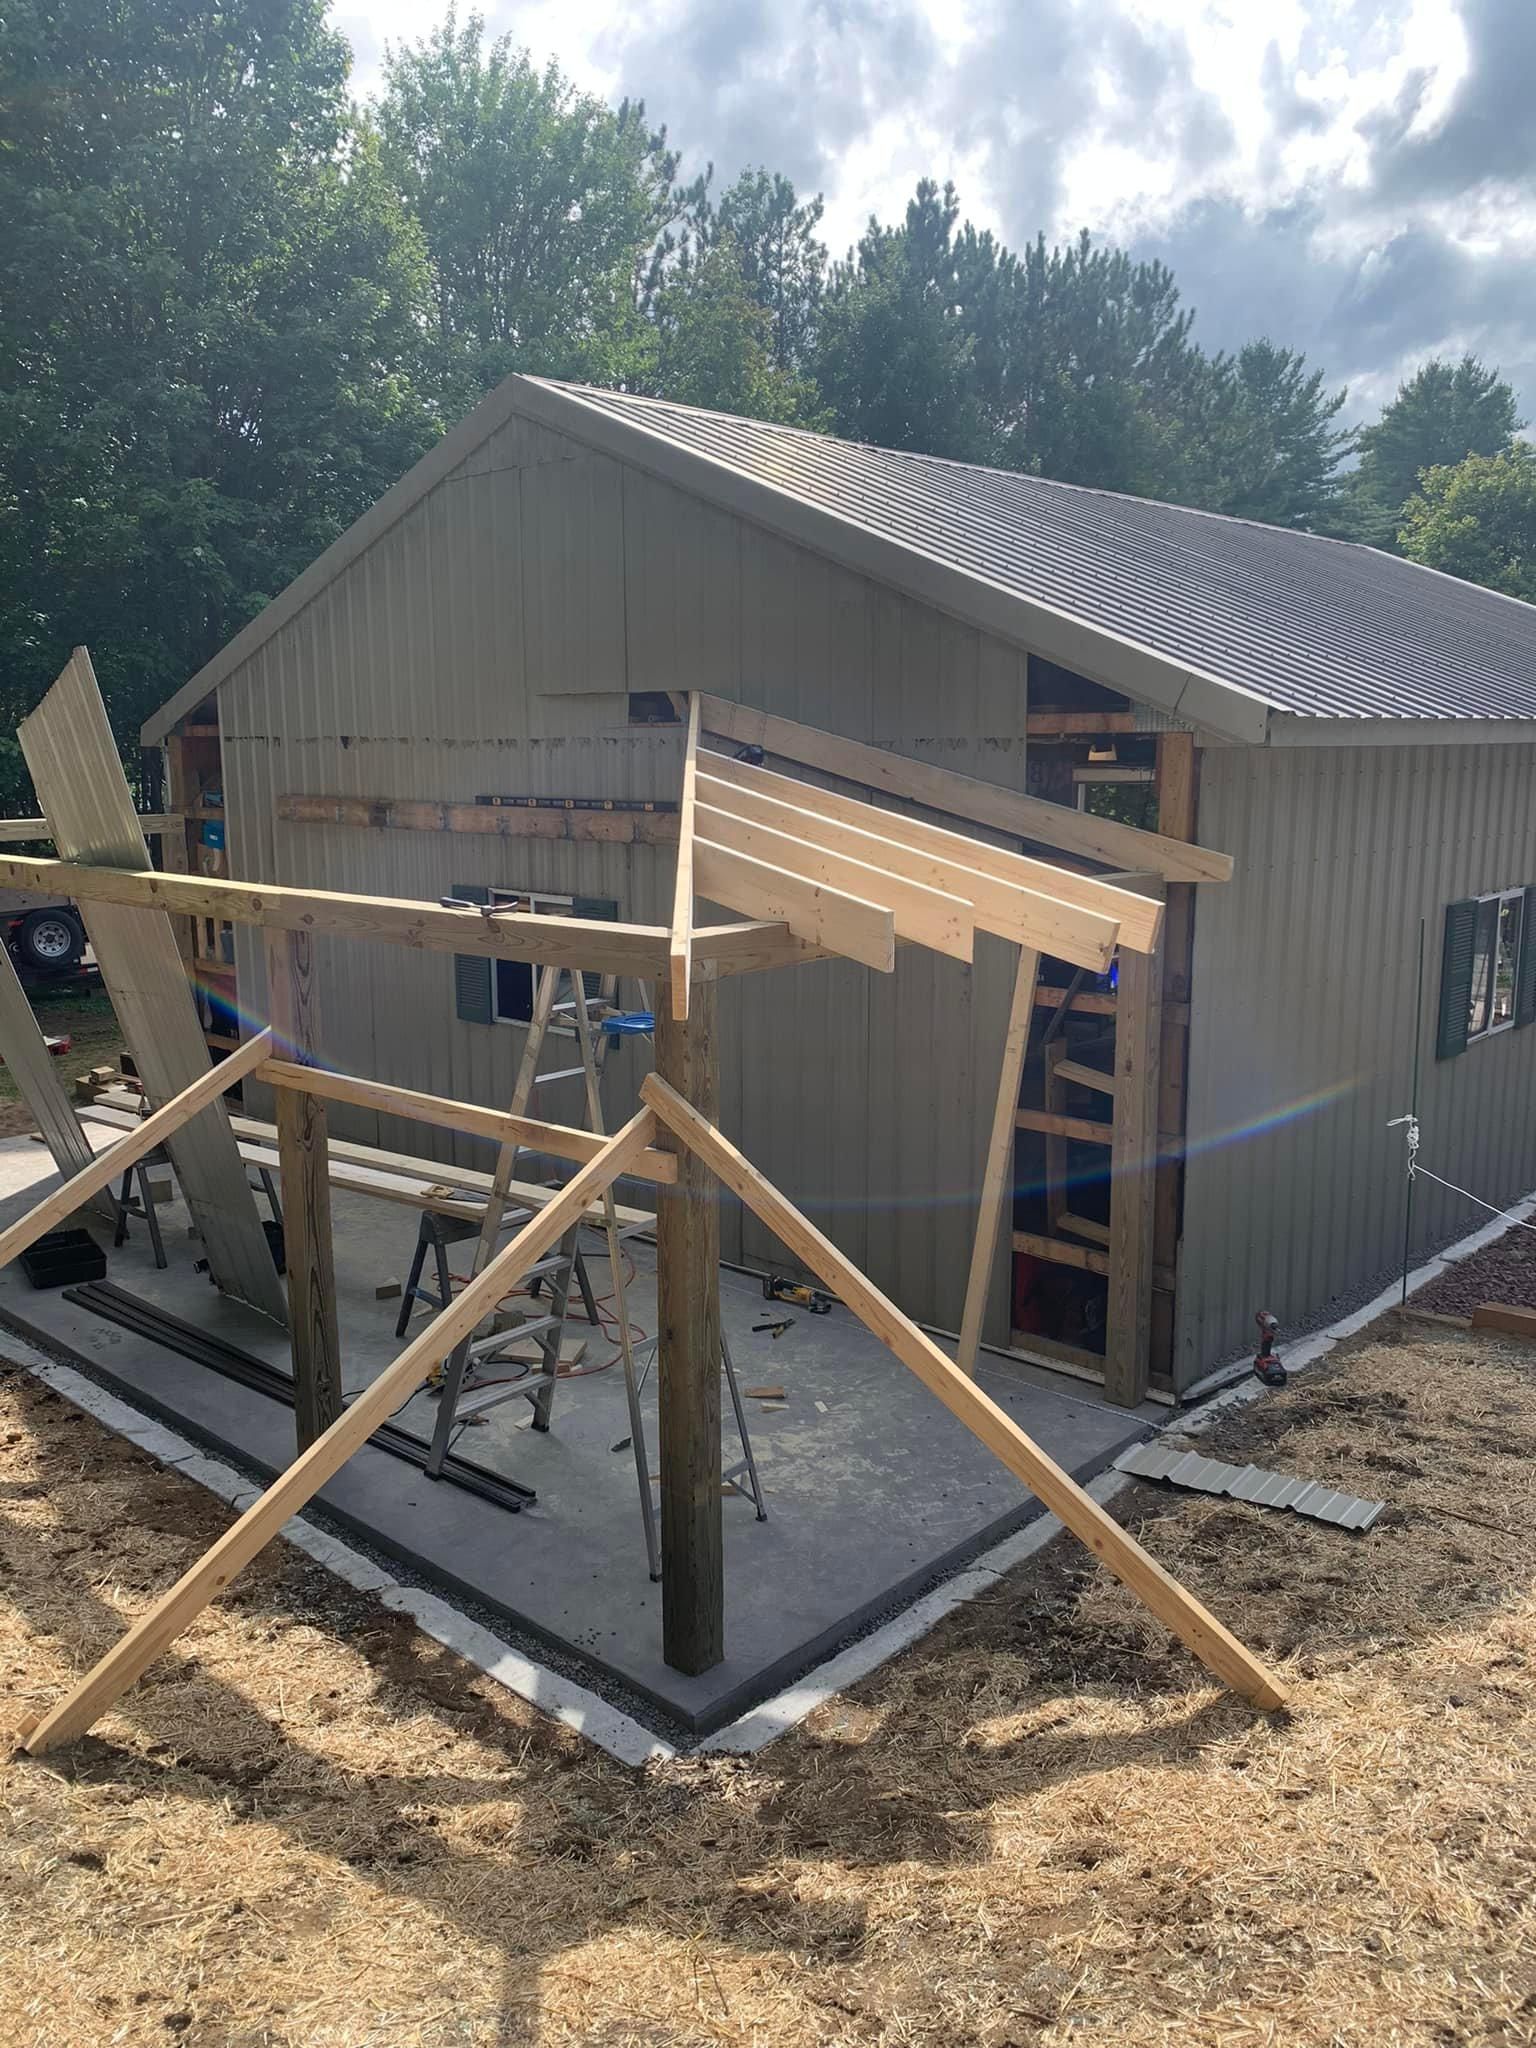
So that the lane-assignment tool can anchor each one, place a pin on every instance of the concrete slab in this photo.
(874, 1492)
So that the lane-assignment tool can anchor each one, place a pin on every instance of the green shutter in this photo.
(472, 971)
(606, 911)
(1525, 972)
(1456, 978)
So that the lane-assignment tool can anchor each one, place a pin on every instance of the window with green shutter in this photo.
(472, 971)
(501, 991)
(1487, 968)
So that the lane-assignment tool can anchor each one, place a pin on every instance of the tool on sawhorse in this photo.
(811, 1299)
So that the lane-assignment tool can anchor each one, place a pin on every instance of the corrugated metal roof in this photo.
(1318, 628)
(1178, 1467)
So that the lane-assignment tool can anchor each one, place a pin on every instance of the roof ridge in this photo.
(919, 456)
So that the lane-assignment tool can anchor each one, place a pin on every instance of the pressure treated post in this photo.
(688, 1325)
(304, 1163)
(1128, 1318)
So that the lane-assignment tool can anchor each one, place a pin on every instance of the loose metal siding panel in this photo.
(1302, 1028)
(440, 665)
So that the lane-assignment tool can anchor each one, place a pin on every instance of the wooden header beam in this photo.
(962, 796)
(631, 949)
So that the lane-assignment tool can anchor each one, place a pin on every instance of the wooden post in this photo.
(1128, 1319)
(688, 1326)
(304, 1161)
(1176, 804)
(997, 1181)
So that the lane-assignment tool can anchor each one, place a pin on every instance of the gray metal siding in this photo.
(1318, 627)
(1302, 1029)
(486, 642)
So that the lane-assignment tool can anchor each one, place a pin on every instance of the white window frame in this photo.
(1493, 1029)
(537, 903)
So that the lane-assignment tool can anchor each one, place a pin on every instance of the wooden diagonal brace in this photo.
(1173, 1604)
(156, 1630)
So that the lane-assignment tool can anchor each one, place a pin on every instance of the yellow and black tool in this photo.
(811, 1299)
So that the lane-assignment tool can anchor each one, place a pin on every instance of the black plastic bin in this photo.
(64, 1258)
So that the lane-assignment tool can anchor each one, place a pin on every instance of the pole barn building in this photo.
(446, 701)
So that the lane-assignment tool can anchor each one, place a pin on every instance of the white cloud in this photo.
(1356, 177)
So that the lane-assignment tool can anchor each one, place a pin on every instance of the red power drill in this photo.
(1267, 1367)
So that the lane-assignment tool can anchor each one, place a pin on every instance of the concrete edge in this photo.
(774, 1717)
(573, 1705)
(549, 1691)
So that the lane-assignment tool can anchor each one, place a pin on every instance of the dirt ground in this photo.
(1504, 1271)
(1042, 1825)
(86, 1014)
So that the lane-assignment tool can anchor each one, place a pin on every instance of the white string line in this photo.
(1508, 1214)
(1414, 1170)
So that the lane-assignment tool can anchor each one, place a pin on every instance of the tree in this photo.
(713, 342)
(1443, 412)
(894, 360)
(782, 264)
(210, 313)
(1477, 519)
(1263, 446)
(541, 208)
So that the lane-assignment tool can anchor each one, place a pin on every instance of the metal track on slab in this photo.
(127, 1310)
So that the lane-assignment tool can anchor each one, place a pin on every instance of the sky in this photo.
(1352, 179)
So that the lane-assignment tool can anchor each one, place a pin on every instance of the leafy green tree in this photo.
(713, 342)
(782, 263)
(1264, 446)
(1441, 413)
(541, 208)
(1477, 519)
(894, 360)
(210, 310)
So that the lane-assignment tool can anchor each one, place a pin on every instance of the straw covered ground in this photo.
(1040, 1826)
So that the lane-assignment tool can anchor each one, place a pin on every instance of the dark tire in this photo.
(50, 941)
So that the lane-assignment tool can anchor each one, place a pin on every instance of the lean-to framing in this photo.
(850, 879)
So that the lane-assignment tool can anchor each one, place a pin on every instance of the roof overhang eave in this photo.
(1139, 672)
(1290, 729)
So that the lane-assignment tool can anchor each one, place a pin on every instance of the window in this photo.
(491, 991)
(1487, 969)
(1495, 957)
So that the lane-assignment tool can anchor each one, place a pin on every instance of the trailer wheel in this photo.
(50, 941)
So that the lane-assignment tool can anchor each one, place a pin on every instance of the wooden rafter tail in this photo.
(109, 1165)
(946, 923)
(962, 796)
(997, 1180)
(1173, 1604)
(1028, 901)
(156, 1630)
(680, 942)
(829, 918)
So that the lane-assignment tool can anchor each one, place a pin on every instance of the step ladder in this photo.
(460, 1399)
(597, 1027)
